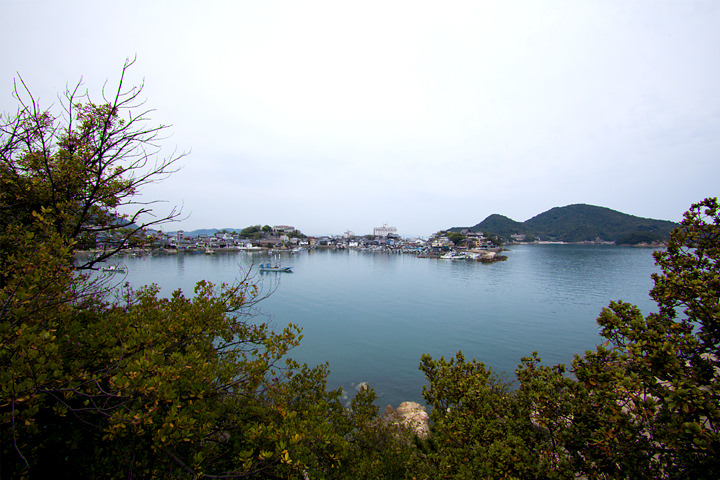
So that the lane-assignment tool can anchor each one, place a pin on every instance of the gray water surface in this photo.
(372, 315)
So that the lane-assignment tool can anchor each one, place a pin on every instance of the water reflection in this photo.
(372, 315)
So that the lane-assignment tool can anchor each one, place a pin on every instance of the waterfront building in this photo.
(283, 229)
(384, 231)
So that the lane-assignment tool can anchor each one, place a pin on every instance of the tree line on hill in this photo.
(249, 232)
(579, 223)
(98, 381)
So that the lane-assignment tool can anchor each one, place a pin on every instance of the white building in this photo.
(283, 229)
(384, 231)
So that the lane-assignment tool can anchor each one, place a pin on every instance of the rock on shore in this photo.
(411, 415)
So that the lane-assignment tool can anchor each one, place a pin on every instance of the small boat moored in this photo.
(269, 267)
(113, 269)
(454, 256)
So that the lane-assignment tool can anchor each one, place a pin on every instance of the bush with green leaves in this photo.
(136, 384)
(96, 382)
(644, 404)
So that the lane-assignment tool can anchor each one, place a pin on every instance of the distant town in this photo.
(484, 241)
(465, 245)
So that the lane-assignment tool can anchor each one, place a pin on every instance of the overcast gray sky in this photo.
(339, 115)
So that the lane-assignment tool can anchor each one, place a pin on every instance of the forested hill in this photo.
(580, 223)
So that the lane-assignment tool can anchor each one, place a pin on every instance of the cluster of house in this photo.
(287, 237)
(278, 237)
(470, 241)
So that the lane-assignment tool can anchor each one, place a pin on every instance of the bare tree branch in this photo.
(93, 159)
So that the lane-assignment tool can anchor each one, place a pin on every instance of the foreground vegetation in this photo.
(131, 384)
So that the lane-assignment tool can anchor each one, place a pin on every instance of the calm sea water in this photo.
(372, 316)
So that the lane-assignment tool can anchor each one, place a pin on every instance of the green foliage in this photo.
(499, 225)
(577, 223)
(644, 404)
(377, 449)
(97, 382)
(635, 238)
(496, 240)
(672, 355)
(81, 168)
(128, 383)
(580, 223)
(248, 232)
(455, 237)
(480, 428)
(297, 234)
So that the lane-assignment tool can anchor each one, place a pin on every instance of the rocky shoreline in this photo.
(410, 415)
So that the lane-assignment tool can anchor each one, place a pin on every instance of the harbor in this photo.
(372, 314)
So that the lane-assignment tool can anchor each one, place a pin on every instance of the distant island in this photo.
(577, 223)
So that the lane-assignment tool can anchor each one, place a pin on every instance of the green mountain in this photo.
(580, 223)
(498, 225)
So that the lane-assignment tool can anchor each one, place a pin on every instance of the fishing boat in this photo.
(113, 269)
(453, 256)
(270, 267)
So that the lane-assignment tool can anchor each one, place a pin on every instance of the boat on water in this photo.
(453, 256)
(270, 267)
(113, 269)
(248, 248)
